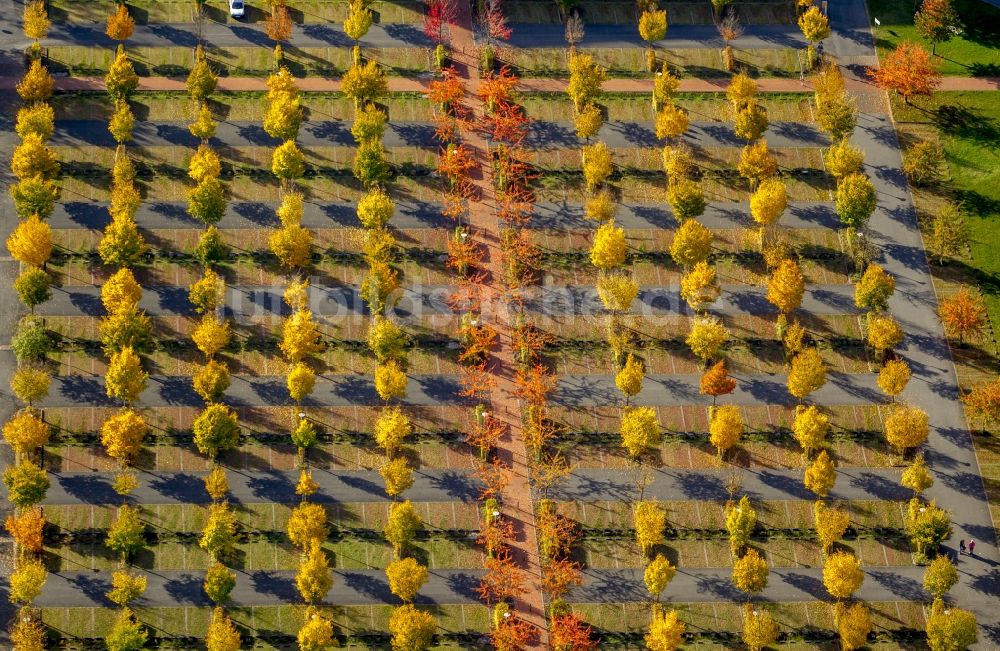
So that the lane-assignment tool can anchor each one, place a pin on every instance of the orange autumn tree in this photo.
(26, 529)
(570, 633)
(717, 382)
(963, 314)
(908, 70)
(503, 579)
(559, 576)
(984, 401)
(512, 634)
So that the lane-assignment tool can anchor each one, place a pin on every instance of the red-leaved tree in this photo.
(908, 70)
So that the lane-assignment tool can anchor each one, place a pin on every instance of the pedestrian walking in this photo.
(972, 548)
(961, 547)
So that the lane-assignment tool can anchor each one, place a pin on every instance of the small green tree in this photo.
(126, 535)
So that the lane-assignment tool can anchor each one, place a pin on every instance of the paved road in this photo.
(681, 389)
(247, 302)
(655, 301)
(370, 587)
(331, 391)
(219, 35)
(718, 215)
(75, 133)
(242, 215)
(259, 487)
(403, 35)
(716, 585)
(413, 215)
(958, 483)
(542, 135)
(950, 452)
(255, 588)
(592, 484)
(528, 35)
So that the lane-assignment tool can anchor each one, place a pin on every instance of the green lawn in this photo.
(969, 128)
(975, 53)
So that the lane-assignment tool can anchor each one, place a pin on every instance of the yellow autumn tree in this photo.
(125, 379)
(120, 24)
(300, 381)
(211, 335)
(671, 121)
(666, 631)
(598, 165)
(629, 377)
(706, 337)
(831, 524)
(756, 163)
(36, 21)
(31, 242)
(658, 574)
(893, 377)
(692, 244)
(122, 435)
(741, 91)
(854, 623)
(640, 430)
(807, 374)
(810, 427)
(821, 475)
(205, 164)
(314, 578)
(786, 287)
(406, 577)
(609, 248)
(650, 520)
(906, 427)
(37, 83)
(750, 572)
(843, 158)
(391, 429)
(842, 574)
(917, 476)
(390, 380)
(616, 291)
(300, 336)
(397, 475)
(700, 287)
(768, 202)
(725, 428)
(759, 628)
(120, 291)
(25, 431)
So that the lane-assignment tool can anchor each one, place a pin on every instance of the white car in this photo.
(236, 9)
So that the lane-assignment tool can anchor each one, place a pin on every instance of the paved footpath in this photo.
(176, 588)
(529, 85)
(255, 391)
(413, 215)
(716, 585)
(436, 485)
(542, 135)
(246, 301)
(950, 452)
(258, 487)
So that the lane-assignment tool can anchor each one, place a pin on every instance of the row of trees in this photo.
(30, 244)
(126, 332)
(504, 124)
(410, 627)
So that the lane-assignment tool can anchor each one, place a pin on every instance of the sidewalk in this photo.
(409, 85)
